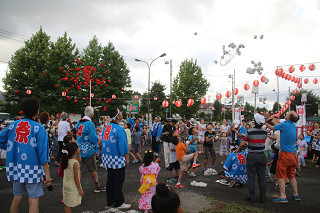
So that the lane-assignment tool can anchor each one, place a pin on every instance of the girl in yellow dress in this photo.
(72, 191)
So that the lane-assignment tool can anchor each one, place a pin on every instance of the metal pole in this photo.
(170, 86)
(233, 88)
(148, 119)
(90, 93)
(224, 112)
(289, 99)
(255, 103)
(278, 95)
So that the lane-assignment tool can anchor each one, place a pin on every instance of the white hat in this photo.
(259, 118)
(236, 123)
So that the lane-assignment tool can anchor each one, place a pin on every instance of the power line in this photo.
(10, 38)
(15, 34)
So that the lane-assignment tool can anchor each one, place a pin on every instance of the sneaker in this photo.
(135, 161)
(168, 180)
(195, 165)
(267, 175)
(192, 174)
(280, 200)
(172, 180)
(186, 172)
(124, 206)
(180, 186)
(296, 198)
(176, 179)
(232, 183)
(100, 189)
(56, 163)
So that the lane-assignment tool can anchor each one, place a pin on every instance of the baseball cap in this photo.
(259, 118)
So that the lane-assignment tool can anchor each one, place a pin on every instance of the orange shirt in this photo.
(180, 150)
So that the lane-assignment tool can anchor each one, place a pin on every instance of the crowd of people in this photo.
(253, 148)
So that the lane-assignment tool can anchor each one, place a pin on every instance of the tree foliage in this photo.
(189, 83)
(49, 68)
(311, 106)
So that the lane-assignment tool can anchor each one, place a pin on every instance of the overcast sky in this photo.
(183, 29)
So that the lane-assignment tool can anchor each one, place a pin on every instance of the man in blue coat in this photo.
(156, 132)
(26, 142)
(87, 141)
(115, 157)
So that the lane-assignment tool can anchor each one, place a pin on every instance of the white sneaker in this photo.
(124, 206)
(192, 174)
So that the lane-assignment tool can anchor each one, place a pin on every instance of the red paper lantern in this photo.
(113, 96)
(92, 95)
(44, 73)
(136, 96)
(68, 97)
(286, 106)
(203, 100)
(75, 101)
(235, 91)
(155, 98)
(302, 68)
(292, 97)
(228, 94)
(16, 92)
(290, 77)
(295, 91)
(165, 103)
(61, 68)
(190, 102)
(101, 64)
(315, 81)
(28, 92)
(104, 108)
(122, 89)
(56, 85)
(256, 82)
(291, 69)
(282, 110)
(306, 81)
(73, 114)
(299, 85)
(223, 109)
(178, 103)
(286, 76)
(263, 78)
(312, 67)
(21, 112)
(63, 93)
(293, 79)
(289, 102)
(249, 110)
(173, 102)
(213, 108)
(246, 86)
(100, 100)
(277, 72)
(218, 96)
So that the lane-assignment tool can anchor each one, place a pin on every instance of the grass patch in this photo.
(224, 207)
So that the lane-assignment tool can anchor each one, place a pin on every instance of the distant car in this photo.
(7, 118)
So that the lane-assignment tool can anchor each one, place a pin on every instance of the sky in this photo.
(183, 29)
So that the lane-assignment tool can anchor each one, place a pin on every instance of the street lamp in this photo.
(149, 66)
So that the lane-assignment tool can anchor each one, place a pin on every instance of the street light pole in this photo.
(149, 67)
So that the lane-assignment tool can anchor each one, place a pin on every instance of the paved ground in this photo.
(193, 198)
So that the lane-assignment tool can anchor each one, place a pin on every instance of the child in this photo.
(184, 159)
(149, 172)
(200, 135)
(302, 147)
(209, 138)
(192, 147)
(224, 147)
(273, 163)
(165, 200)
(136, 142)
(127, 128)
(235, 168)
(72, 191)
(174, 163)
(66, 140)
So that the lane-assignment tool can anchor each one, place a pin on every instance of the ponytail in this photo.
(67, 153)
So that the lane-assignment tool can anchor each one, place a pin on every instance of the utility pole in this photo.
(289, 99)
(170, 86)
(233, 88)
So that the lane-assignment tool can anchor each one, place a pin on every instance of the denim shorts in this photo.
(33, 190)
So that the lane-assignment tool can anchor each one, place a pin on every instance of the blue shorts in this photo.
(136, 148)
(33, 190)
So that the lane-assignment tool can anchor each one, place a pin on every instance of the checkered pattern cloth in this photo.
(241, 178)
(24, 173)
(113, 162)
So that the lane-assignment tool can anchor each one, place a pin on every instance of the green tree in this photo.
(248, 111)
(156, 108)
(311, 106)
(27, 71)
(217, 112)
(189, 83)
(275, 107)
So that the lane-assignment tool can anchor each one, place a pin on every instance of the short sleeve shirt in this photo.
(180, 150)
(63, 128)
(173, 154)
(287, 136)
(209, 135)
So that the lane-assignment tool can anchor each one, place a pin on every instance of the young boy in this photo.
(209, 138)
(174, 163)
(136, 142)
(184, 159)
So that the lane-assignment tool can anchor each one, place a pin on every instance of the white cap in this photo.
(236, 123)
(259, 118)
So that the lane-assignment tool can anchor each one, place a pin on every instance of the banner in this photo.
(301, 110)
(237, 113)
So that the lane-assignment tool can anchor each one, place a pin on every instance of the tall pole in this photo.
(90, 93)
(255, 103)
(170, 86)
(278, 94)
(233, 88)
(148, 118)
(224, 112)
(289, 99)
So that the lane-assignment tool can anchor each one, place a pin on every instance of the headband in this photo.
(115, 117)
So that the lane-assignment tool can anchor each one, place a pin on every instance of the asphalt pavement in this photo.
(193, 199)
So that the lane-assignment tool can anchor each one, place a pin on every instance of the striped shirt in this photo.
(256, 138)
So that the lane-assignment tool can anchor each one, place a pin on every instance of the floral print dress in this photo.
(145, 200)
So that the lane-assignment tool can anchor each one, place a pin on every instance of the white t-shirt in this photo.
(224, 128)
(63, 128)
